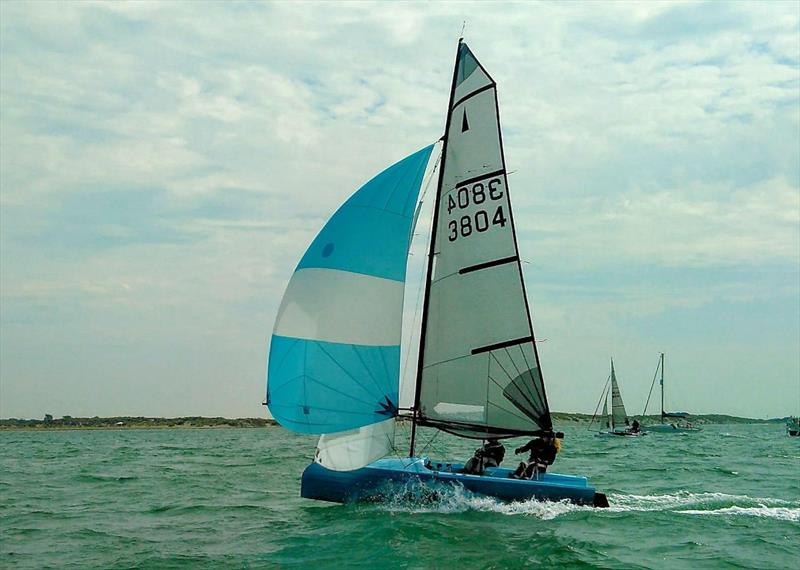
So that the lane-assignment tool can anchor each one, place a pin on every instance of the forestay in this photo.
(479, 371)
(334, 357)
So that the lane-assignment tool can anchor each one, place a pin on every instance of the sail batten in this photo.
(488, 264)
(479, 371)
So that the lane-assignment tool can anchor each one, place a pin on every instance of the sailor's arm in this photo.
(527, 447)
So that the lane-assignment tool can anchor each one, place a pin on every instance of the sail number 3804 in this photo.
(479, 222)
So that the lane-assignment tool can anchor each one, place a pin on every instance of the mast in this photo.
(611, 389)
(431, 250)
(662, 387)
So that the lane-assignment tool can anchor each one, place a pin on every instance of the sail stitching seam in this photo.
(324, 385)
(495, 404)
(524, 395)
(530, 370)
(325, 352)
(369, 372)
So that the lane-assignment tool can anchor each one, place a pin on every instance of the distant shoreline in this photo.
(130, 422)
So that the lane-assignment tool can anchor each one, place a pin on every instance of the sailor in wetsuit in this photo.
(490, 455)
(636, 427)
(543, 453)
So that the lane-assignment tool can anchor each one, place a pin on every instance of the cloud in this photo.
(162, 171)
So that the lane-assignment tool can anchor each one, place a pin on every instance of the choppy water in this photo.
(727, 497)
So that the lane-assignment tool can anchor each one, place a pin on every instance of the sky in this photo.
(163, 167)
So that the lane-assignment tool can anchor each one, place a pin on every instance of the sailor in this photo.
(635, 427)
(543, 453)
(491, 454)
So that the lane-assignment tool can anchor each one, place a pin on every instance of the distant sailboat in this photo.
(793, 426)
(335, 354)
(619, 423)
(671, 422)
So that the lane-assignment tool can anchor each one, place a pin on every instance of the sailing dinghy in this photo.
(671, 422)
(334, 361)
(618, 420)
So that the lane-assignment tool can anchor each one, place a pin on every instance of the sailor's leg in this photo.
(530, 470)
(520, 470)
(470, 466)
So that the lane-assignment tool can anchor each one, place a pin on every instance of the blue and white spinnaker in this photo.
(334, 359)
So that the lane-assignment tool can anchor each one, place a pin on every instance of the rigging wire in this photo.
(405, 431)
(420, 289)
(430, 442)
(597, 408)
(655, 375)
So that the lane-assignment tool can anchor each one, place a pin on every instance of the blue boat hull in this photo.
(392, 476)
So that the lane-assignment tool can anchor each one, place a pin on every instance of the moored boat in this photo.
(671, 422)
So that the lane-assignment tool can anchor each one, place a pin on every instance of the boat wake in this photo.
(458, 500)
(709, 504)
(454, 500)
(780, 513)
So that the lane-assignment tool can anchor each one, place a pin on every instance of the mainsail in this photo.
(479, 369)
(619, 416)
(334, 358)
(606, 417)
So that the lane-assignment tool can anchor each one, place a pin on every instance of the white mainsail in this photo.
(479, 368)
(619, 416)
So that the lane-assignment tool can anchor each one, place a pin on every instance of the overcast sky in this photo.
(164, 166)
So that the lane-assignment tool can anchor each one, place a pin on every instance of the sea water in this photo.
(727, 497)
